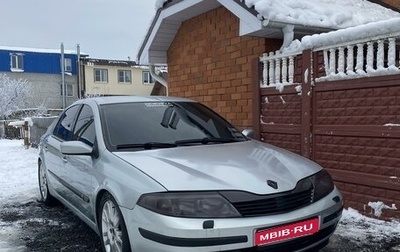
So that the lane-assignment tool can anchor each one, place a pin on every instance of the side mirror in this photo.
(248, 132)
(75, 148)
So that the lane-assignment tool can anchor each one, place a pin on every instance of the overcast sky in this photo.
(106, 29)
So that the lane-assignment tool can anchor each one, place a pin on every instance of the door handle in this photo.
(64, 159)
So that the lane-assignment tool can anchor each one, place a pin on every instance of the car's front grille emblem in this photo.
(272, 184)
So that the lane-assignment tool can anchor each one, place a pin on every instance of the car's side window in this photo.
(84, 129)
(65, 124)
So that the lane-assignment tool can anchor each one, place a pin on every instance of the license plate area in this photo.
(286, 232)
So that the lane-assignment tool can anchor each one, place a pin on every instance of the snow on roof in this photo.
(335, 14)
(38, 50)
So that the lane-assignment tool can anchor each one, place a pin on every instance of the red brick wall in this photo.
(210, 63)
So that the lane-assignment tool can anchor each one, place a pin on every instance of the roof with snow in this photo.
(38, 50)
(263, 18)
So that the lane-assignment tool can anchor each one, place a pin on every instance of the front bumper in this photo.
(153, 232)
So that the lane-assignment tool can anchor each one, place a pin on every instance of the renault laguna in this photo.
(169, 174)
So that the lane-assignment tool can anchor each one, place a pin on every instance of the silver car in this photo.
(169, 174)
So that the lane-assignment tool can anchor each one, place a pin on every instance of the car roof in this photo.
(126, 99)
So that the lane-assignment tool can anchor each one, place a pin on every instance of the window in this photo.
(100, 75)
(69, 89)
(164, 122)
(147, 79)
(63, 129)
(67, 65)
(124, 76)
(17, 62)
(84, 129)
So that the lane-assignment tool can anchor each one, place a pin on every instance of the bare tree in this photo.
(14, 94)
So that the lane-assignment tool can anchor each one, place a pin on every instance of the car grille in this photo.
(251, 205)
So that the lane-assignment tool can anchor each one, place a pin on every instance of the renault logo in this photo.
(272, 184)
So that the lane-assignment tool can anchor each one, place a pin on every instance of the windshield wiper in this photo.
(207, 140)
(147, 146)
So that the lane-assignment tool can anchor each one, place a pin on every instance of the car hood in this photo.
(244, 166)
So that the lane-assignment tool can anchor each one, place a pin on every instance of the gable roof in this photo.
(263, 18)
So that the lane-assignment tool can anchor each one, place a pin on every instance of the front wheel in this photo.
(45, 195)
(114, 236)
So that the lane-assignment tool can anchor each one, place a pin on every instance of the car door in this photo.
(77, 170)
(53, 158)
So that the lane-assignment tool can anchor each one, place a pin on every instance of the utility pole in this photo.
(78, 52)
(63, 77)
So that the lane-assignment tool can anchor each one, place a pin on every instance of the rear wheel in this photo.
(114, 236)
(46, 197)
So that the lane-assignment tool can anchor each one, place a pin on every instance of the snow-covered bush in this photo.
(14, 94)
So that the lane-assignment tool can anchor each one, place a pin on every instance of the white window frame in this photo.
(17, 62)
(126, 76)
(69, 90)
(67, 65)
(103, 75)
(147, 78)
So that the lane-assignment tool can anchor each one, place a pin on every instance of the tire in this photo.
(113, 232)
(45, 195)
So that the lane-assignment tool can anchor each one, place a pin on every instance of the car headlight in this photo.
(323, 184)
(189, 204)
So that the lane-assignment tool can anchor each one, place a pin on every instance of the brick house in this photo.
(221, 53)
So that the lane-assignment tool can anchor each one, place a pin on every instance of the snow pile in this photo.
(365, 229)
(159, 4)
(379, 206)
(334, 14)
(18, 172)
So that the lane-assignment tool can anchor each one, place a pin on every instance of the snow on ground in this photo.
(18, 185)
(18, 172)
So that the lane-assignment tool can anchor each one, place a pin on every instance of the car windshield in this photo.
(148, 125)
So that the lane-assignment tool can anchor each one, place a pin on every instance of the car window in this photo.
(84, 128)
(64, 126)
(166, 122)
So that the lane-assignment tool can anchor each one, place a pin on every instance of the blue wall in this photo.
(37, 62)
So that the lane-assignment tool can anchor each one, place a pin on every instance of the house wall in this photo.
(36, 62)
(43, 71)
(113, 87)
(210, 63)
(46, 89)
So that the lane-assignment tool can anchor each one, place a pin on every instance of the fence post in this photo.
(306, 104)
(26, 135)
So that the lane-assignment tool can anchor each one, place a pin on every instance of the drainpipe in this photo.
(158, 78)
(288, 36)
(287, 30)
